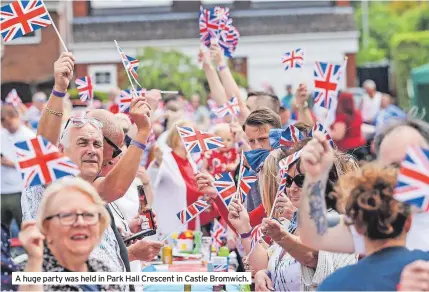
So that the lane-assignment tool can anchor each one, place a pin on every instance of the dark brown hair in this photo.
(370, 203)
(262, 117)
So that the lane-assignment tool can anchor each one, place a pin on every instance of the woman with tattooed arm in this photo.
(333, 232)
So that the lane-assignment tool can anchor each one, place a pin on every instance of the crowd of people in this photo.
(335, 226)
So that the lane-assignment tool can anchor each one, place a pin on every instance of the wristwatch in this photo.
(303, 106)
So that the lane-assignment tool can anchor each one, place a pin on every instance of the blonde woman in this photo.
(70, 224)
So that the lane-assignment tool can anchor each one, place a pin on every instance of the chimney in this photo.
(81, 8)
(343, 3)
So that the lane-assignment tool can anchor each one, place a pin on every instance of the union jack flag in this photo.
(228, 41)
(225, 186)
(290, 136)
(326, 78)
(22, 17)
(192, 210)
(217, 233)
(287, 161)
(41, 163)
(256, 236)
(282, 184)
(229, 108)
(131, 65)
(125, 98)
(318, 127)
(13, 98)
(209, 25)
(413, 179)
(293, 59)
(85, 88)
(197, 141)
(218, 268)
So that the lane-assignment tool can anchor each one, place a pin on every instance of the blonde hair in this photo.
(173, 137)
(222, 127)
(72, 183)
(269, 179)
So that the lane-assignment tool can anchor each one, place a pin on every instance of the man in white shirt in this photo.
(11, 182)
(371, 102)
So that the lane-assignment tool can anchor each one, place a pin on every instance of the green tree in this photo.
(173, 70)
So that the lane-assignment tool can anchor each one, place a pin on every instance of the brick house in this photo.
(324, 29)
(27, 62)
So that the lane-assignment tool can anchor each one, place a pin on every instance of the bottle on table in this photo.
(145, 213)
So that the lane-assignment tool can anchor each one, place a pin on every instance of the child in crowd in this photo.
(224, 158)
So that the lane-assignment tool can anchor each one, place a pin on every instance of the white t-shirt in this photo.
(370, 107)
(11, 180)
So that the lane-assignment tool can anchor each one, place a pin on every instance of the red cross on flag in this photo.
(326, 77)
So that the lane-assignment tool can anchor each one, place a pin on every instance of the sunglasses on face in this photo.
(116, 150)
(298, 180)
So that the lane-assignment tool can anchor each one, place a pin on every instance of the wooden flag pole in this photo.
(56, 30)
(240, 176)
(128, 74)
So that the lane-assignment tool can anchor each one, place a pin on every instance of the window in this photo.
(31, 38)
(103, 76)
(128, 3)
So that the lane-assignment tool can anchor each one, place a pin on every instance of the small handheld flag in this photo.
(197, 141)
(287, 161)
(231, 107)
(192, 211)
(326, 78)
(85, 88)
(41, 163)
(256, 236)
(287, 138)
(225, 186)
(318, 127)
(217, 232)
(293, 59)
(281, 189)
(13, 98)
(413, 179)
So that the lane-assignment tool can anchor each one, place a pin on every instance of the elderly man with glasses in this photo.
(82, 140)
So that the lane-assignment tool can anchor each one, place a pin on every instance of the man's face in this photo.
(370, 91)
(394, 146)
(258, 136)
(289, 89)
(85, 149)
(11, 124)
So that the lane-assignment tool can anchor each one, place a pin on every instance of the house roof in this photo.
(185, 25)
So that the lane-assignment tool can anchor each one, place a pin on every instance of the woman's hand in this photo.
(238, 217)
(142, 175)
(263, 282)
(32, 240)
(415, 277)
(284, 208)
(205, 184)
(301, 95)
(204, 58)
(273, 229)
(237, 132)
(158, 155)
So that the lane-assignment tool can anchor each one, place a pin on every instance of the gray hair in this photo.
(369, 83)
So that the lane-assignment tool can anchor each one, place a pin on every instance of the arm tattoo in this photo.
(318, 206)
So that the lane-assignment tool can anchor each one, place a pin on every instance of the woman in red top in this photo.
(346, 130)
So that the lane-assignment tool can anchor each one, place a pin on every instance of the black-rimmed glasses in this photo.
(68, 219)
(298, 180)
(116, 150)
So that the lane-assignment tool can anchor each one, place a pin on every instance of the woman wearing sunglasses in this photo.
(70, 224)
(286, 265)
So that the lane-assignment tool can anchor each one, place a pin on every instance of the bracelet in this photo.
(221, 67)
(58, 114)
(246, 235)
(138, 144)
(58, 94)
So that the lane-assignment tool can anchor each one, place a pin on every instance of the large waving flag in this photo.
(326, 77)
(192, 211)
(413, 179)
(22, 17)
(225, 186)
(197, 141)
(318, 127)
(13, 98)
(231, 107)
(41, 163)
(85, 88)
(293, 59)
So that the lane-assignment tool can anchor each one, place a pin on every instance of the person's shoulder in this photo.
(419, 254)
(341, 280)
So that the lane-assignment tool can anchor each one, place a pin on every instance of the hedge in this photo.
(409, 50)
